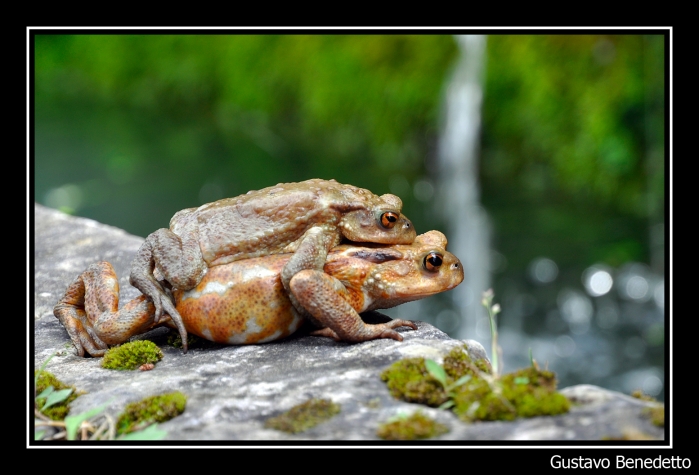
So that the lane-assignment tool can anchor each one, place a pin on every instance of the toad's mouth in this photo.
(409, 295)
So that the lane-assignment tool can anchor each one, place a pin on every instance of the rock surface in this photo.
(232, 390)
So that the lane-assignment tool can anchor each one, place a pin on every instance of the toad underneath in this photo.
(246, 302)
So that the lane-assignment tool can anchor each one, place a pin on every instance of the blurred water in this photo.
(458, 202)
(597, 325)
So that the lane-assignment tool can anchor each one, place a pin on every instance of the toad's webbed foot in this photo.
(89, 311)
(73, 319)
(376, 331)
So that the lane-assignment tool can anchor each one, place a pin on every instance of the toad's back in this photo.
(266, 221)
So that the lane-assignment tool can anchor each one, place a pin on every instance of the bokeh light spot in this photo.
(448, 321)
(543, 270)
(659, 294)
(423, 190)
(637, 287)
(652, 385)
(597, 280)
(398, 185)
(68, 198)
(576, 309)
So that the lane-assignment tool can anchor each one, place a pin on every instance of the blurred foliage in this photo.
(573, 111)
(573, 145)
(131, 128)
(276, 108)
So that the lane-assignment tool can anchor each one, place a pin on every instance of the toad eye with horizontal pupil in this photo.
(389, 219)
(433, 261)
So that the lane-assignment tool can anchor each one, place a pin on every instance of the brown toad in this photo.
(245, 302)
(306, 219)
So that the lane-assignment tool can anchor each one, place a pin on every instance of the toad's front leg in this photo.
(89, 311)
(309, 254)
(326, 300)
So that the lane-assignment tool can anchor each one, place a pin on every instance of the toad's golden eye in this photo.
(432, 261)
(389, 219)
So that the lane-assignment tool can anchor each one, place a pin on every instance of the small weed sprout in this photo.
(438, 373)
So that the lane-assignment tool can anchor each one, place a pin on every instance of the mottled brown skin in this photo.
(306, 218)
(245, 301)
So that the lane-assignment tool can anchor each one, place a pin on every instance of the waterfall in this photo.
(458, 196)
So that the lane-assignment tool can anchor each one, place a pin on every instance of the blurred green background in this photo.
(129, 129)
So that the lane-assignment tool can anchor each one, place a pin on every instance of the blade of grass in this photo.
(73, 422)
(55, 397)
(436, 371)
(152, 432)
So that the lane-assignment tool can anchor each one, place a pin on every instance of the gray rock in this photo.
(232, 390)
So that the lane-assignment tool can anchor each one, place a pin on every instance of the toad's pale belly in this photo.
(240, 303)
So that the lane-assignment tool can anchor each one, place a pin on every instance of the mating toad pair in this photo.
(253, 268)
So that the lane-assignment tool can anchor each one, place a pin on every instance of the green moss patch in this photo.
(304, 416)
(141, 414)
(631, 435)
(131, 355)
(58, 411)
(656, 414)
(415, 426)
(409, 379)
(639, 394)
(527, 392)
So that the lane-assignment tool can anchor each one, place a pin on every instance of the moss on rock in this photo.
(533, 392)
(480, 400)
(131, 355)
(409, 380)
(58, 411)
(415, 426)
(141, 414)
(304, 416)
(656, 414)
(458, 363)
(527, 392)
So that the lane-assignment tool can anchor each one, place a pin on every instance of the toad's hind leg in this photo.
(89, 311)
(322, 296)
(179, 261)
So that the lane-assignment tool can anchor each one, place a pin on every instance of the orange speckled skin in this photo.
(306, 218)
(253, 308)
(246, 302)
